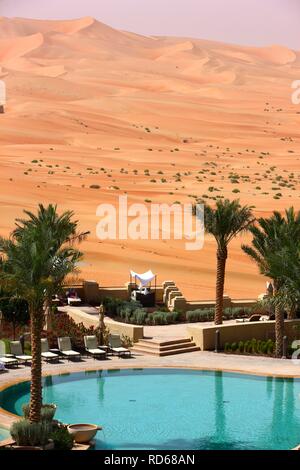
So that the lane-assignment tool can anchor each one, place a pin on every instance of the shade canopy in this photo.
(144, 278)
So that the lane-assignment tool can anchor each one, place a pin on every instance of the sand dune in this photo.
(94, 113)
(10, 49)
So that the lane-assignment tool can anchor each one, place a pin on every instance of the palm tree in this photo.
(34, 263)
(225, 222)
(271, 236)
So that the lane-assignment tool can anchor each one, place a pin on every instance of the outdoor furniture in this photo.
(9, 361)
(74, 301)
(2, 367)
(115, 346)
(65, 347)
(91, 347)
(47, 355)
(254, 317)
(16, 350)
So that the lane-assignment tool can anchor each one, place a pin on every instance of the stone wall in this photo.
(204, 336)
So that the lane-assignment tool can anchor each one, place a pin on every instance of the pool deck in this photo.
(197, 360)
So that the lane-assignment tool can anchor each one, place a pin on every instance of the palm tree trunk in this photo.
(221, 265)
(36, 368)
(279, 326)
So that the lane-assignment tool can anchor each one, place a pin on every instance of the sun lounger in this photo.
(254, 317)
(9, 362)
(47, 355)
(91, 347)
(16, 350)
(65, 347)
(115, 346)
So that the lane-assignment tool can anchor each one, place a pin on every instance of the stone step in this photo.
(164, 347)
(157, 341)
(166, 352)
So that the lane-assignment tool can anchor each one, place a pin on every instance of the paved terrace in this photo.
(196, 360)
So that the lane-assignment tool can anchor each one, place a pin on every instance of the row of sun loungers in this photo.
(64, 350)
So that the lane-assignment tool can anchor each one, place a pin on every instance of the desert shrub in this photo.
(31, 434)
(47, 411)
(270, 347)
(61, 438)
(253, 346)
(138, 316)
(113, 305)
(126, 341)
(63, 325)
(199, 315)
(15, 311)
(159, 318)
(258, 346)
(172, 317)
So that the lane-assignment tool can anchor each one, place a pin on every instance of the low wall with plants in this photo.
(134, 313)
(204, 336)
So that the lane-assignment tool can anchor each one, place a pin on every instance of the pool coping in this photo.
(7, 418)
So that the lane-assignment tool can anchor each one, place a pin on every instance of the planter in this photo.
(83, 433)
(49, 446)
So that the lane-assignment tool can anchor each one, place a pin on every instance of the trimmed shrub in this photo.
(199, 315)
(62, 439)
(159, 318)
(47, 411)
(31, 434)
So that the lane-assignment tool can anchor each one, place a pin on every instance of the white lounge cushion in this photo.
(8, 360)
(119, 350)
(70, 353)
(49, 355)
(96, 351)
(24, 358)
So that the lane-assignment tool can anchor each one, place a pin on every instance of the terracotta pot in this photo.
(83, 432)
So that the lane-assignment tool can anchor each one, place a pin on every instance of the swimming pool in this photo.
(4, 434)
(173, 408)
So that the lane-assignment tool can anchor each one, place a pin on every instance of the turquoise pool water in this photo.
(174, 409)
(4, 434)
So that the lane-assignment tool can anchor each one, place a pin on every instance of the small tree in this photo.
(15, 311)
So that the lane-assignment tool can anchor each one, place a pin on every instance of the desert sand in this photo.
(161, 119)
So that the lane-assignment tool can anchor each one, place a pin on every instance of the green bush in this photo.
(199, 315)
(159, 318)
(172, 317)
(138, 316)
(270, 347)
(62, 439)
(241, 346)
(47, 411)
(31, 434)
(112, 305)
(234, 347)
(227, 347)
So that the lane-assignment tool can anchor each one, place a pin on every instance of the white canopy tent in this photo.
(144, 278)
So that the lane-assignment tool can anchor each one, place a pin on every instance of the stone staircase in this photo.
(163, 347)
